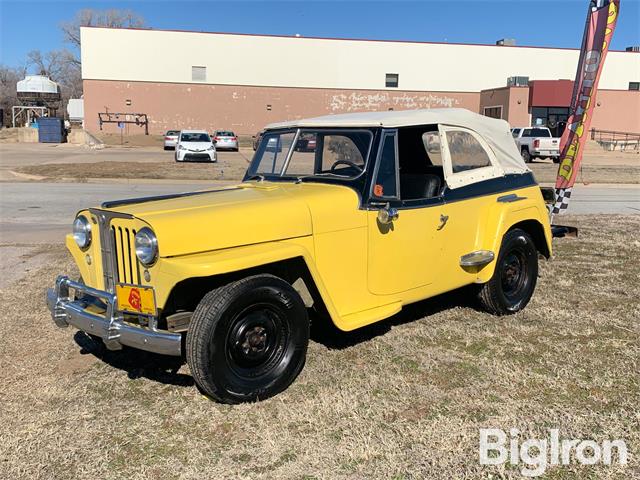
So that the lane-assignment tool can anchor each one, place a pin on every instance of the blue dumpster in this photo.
(51, 130)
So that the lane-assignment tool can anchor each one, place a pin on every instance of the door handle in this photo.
(443, 221)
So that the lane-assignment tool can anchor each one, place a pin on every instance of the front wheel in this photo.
(515, 275)
(248, 340)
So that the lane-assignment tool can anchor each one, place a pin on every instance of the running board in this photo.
(561, 231)
(478, 258)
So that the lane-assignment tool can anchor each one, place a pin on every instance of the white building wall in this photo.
(167, 56)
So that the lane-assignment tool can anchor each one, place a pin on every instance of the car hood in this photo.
(215, 219)
(196, 145)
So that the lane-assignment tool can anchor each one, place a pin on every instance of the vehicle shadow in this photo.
(136, 363)
(323, 331)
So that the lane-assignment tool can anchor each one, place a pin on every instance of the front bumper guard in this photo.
(110, 327)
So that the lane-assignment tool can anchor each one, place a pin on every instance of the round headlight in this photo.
(82, 231)
(146, 246)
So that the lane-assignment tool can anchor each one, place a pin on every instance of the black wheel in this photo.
(515, 275)
(526, 156)
(247, 340)
(555, 159)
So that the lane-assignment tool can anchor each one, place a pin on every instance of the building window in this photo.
(634, 85)
(493, 112)
(199, 74)
(391, 80)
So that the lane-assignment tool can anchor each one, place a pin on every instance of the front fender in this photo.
(207, 264)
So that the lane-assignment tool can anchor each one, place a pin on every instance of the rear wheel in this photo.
(248, 340)
(526, 156)
(515, 275)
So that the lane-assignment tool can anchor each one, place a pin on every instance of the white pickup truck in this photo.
(536, 142)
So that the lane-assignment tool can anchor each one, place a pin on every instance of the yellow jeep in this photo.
(352, 216)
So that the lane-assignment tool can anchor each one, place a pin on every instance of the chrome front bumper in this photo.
(110, 327)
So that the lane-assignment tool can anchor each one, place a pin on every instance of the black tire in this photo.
(526, 156)
(515, 275)
(556, 159)
(248, 340)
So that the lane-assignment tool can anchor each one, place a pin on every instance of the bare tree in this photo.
(99, 18)
(63, 65)
(9, 77)
(59, 66)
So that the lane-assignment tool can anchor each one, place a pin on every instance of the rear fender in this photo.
(505, 216)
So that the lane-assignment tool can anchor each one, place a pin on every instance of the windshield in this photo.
(333, 153)
(224, 133)
(194, 137)
(172, 133)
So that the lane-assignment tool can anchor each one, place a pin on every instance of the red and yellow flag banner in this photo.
(601, 21)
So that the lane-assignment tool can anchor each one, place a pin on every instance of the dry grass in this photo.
(232, 166)
(222, 170)
(547, 172)
(403, 399)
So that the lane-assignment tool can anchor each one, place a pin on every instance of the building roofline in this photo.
(338, 39)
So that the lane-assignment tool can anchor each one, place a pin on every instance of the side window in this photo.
(385, 185)
(340, 150)
(431, 142)
(465, 151)
(319, 152)
(515, 132)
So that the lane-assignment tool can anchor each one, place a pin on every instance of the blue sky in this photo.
(27, 25)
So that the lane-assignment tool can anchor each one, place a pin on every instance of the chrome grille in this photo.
(124, 252)
(119, 263)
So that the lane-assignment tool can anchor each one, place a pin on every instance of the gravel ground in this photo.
(403, 399)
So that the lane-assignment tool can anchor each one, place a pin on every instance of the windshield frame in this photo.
(282, 176)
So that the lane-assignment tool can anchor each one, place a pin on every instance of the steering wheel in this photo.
(345, 162)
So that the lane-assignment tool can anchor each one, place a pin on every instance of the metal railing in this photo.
(616, 140)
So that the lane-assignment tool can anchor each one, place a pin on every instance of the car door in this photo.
(405, 252)
(470, 169)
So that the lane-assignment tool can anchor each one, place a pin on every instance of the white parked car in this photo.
(226, 139)
(170, 139)
(536, 142)
(195, 146)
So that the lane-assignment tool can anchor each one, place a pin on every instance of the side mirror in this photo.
(387, 215)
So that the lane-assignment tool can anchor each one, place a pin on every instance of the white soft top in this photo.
(495, 132)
